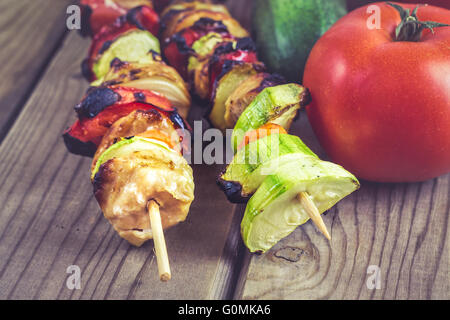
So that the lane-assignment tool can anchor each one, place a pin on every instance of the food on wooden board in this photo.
(274, 171)
(223, 68)
(129, 122)
(218, 59)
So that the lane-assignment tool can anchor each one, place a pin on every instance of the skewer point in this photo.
(160, 243)
(313, 213)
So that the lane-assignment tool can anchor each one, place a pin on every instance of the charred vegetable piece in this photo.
(204, 47)
(232, 25)
(178, 48)
(134, 171)
(258, 159)
(245, 93)
(103, 106)
(175, 16)
(141, 18)
(99, 98)
(132, 46)
(278, 105)
(225, 87)
(226, 56)
(155, 76)
(274, 211)
(95, 14)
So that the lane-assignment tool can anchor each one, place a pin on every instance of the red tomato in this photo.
(381, 108)
(352, 4)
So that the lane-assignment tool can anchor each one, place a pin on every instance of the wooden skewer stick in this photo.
(313, 213)
(160, 243)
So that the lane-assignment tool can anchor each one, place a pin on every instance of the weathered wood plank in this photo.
(50, 220)
(400, 228)
(30, 33)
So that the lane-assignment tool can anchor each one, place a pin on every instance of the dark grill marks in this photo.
(96, 101)
(140, 97)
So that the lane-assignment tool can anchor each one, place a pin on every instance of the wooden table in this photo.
(50, 221)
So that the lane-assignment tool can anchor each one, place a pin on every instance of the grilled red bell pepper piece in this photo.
(96, 14)
(102, 106)
(178, 48)
(225, 57)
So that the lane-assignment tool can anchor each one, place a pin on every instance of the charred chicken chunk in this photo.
(130, 174)
(139, 122)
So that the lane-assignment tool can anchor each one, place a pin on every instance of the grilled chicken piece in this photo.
(137, 123)
(154, 76)
(124, 185)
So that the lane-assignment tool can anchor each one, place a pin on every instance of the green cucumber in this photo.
(278, 104)
(286, 30)
(133, 46)
(274, 210)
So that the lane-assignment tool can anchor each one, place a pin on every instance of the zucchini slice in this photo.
(126, 146)
(132, 46)
(274, 211)
(278, 105)
(260, 158)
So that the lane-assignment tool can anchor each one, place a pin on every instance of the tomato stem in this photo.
(411, 28)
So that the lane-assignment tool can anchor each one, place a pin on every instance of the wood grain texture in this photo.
(50, 220)
(30, 33)
(400, 228)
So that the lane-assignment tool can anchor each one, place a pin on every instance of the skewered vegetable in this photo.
(274, 211)
(153, 76)
(225, 87)
(277, 105)
(287, 183)
(141, 180)
(129, 38)
(99, 13)
(102, 106)
(245, 93)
